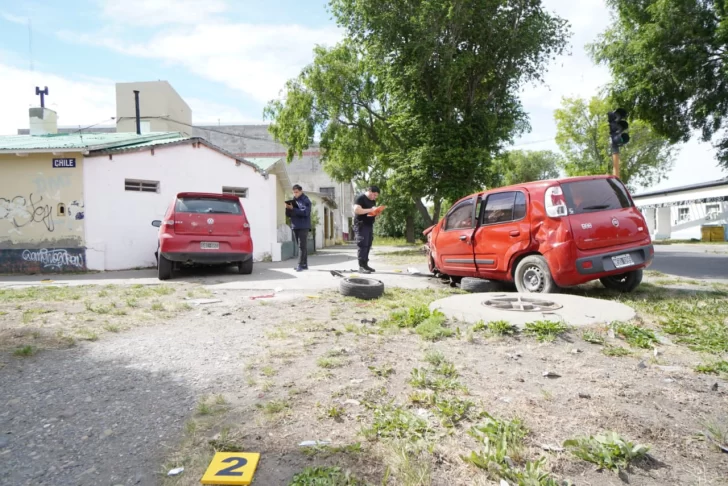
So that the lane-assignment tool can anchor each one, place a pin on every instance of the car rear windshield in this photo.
(595, 195)
(207, 205)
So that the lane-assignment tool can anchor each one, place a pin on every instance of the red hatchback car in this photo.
(545, 235)
(202, 228)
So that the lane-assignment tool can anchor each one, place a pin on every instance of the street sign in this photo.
(64, 163)
(231, 468)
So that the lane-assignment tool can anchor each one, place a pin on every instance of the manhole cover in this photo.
(521, 304)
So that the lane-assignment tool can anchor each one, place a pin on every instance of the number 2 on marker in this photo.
(231, 471)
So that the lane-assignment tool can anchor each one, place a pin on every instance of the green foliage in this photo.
(420, 94)
(593, 337)
(545, 331)
(636, 336)
(714, 368)
(582, 133)
(412, 317)
(616, 351)
(453, 410)
(668, 64)
(607, 451)
(325, 476)
(394, 422)
(519, 166)
(432, 328)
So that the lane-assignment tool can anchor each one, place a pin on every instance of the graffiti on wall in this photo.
(22, 211)
(43, 260)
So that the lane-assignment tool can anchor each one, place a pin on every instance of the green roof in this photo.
(79, 141)
(128, 147)
(264, 163)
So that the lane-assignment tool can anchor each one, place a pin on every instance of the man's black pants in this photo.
(302, 237)
(364, 239)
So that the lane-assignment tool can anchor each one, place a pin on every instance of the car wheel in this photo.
(534, 277)
(478, 285)
(164, 268)
(246, 267)
(361, 288)
(623, 283)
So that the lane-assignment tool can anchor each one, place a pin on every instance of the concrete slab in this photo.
(571, 309)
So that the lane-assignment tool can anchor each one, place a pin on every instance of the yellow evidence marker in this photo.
(231, 468)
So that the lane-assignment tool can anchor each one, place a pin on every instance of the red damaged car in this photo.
(545, 235)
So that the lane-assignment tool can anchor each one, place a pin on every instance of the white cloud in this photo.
(152, 13)
(76, 102)
(254, 59)
(15, 19)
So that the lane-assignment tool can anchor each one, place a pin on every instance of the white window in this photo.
(712, 211)
(683, 214)
(141, 186)
(328, 191)
(145, 127)
(236, 191)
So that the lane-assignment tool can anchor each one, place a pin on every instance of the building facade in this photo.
(687, 212)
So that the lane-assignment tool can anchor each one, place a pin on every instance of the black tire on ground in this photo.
(361, 288)
(624, 283)
(246, 267)
(478, 285)
(534, 277)
(164, 268)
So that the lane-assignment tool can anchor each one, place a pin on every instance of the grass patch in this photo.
(545, 331)
(636, 336)
(328, 362)
(714, 368)
(452, 410)
(325, 476)
(432, 328)
(496, 328)
(382, 371)
(607, 451)
(275, 407)
(394, 422)
(408, 318)
(99, 309)
(420, 378)
(616, 351)
(42, 294)
(112, 328)
(593, 337)
(87, 335)
(389, 241)
(25, 351)
(157, 307)
(29, 315)
(268, 371)
(410, 463)
(335, 412)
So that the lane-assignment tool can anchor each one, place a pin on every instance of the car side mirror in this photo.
(156, 223)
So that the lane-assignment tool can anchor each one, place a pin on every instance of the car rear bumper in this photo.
(604, 263)
(207, 258)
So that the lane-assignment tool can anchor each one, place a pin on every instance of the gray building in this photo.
(254, 141)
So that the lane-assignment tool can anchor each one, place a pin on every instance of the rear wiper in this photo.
(592, 208)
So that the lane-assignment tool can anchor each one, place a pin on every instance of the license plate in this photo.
(621, 261)
(210, 245)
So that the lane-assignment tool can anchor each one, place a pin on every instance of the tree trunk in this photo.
(436, 211)
(410, 228)
(423, 211)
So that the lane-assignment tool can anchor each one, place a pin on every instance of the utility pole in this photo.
(618, 127)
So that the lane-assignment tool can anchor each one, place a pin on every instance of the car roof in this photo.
(210, 195)
(549, 182)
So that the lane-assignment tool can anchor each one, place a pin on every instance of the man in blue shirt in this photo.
(300, 213)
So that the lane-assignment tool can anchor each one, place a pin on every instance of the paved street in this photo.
(692, 261)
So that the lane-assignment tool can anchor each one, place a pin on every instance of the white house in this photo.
(682, 212)
(126, 188)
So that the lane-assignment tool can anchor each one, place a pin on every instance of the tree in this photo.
(423, 93)
(582, 133)
(520, 166)
(669, 64)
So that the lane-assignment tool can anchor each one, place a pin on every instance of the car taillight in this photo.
(555, 202)
(169, 222)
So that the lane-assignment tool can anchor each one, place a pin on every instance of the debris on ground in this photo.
(204, 301)
(551, 374)
(176, 471)
(311, 443)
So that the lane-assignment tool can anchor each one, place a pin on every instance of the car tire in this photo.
(478, 285)
(533, 276)
(246, 267)
(361, 288)
(164, 268)
(624, 283)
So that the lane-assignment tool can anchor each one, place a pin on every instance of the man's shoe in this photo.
(364, 270)
(300, 268)
(371, 270)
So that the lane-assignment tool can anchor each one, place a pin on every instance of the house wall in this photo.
(681, 219)
(119, 234)
(256, 141)
(41, 214)
(159, 105)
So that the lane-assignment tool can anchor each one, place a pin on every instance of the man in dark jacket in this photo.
(300, 213)
(364, 226)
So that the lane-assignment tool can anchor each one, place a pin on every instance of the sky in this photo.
(227, 58)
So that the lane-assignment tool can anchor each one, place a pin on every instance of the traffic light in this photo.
(618, 126)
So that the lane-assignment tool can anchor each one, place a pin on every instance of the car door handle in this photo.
(463, 238)
(515, 233)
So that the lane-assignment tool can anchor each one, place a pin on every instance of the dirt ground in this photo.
(118, 385)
